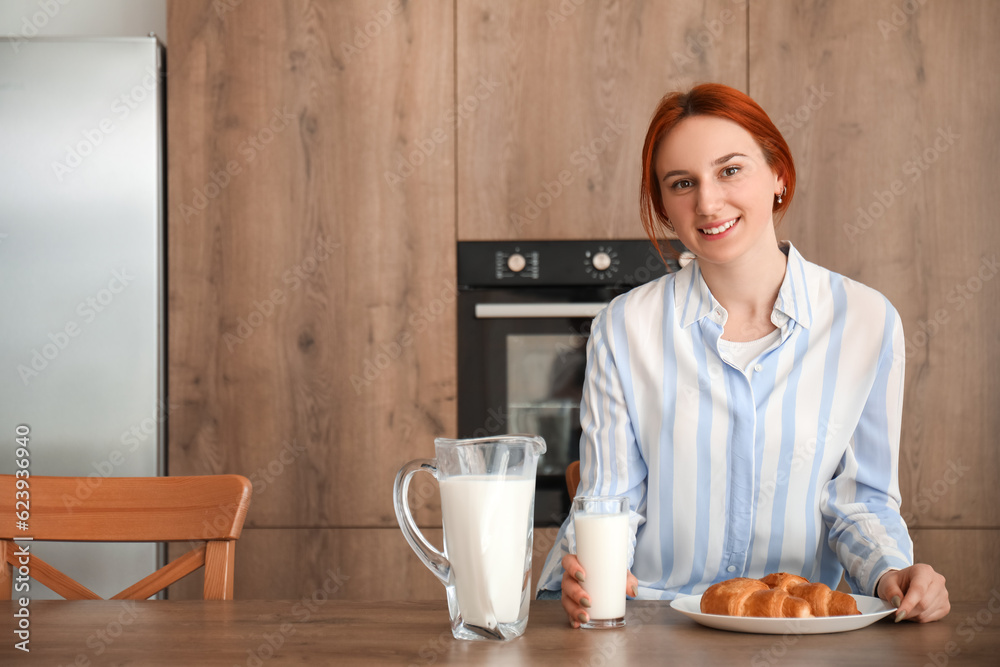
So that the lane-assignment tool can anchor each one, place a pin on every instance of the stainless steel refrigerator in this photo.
(82, 326)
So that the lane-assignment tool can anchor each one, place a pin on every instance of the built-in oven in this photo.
(524, 315)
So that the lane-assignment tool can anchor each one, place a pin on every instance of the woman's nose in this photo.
(709, 199)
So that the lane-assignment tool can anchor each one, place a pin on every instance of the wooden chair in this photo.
(572, 478)
(128, 509)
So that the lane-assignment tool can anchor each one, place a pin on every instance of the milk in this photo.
(602, 549)
(486, 521)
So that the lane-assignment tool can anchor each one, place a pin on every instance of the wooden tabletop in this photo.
(254, 633)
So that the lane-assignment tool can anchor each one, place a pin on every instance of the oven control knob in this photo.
(601, 261)
(516, 262)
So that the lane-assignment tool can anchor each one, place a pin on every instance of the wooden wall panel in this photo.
(364, 564)
(315, 176)
(891, 118)
(563, 88)
(969, 559)
(311, 296)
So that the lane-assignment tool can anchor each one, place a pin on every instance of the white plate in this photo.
(872, 609)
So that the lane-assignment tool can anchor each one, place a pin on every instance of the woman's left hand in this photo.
(918, 592)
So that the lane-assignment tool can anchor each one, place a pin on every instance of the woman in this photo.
(749, 405)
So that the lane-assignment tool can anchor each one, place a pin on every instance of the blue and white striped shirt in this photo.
(789, 466)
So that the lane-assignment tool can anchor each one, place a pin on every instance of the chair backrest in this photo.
(572, 478)
(208, 508)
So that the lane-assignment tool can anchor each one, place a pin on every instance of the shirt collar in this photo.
(693, 300)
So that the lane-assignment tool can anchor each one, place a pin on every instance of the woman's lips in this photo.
(724, 228)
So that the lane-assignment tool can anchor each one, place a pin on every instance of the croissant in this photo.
(822, 601)
(779, 595)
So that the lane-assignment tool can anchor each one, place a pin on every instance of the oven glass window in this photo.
(544, 385)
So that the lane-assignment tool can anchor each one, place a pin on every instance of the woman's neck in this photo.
(748, 286)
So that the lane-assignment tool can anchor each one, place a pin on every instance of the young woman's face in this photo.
(717, 189)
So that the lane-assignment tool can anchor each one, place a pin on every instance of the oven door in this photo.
(522, 361)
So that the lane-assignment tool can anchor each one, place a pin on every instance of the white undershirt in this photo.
(742, 354)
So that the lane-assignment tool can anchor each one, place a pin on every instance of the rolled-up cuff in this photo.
(885, 563)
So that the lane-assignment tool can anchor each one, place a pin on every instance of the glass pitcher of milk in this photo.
(487, 504)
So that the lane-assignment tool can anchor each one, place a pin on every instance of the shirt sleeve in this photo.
(610, 461)
(861, 504)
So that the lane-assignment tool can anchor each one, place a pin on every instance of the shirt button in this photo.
(731, 568)
(758, 368)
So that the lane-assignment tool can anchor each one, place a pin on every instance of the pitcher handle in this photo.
(431, 557)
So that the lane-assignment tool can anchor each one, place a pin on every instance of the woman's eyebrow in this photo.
(721, 160)
(727, 158)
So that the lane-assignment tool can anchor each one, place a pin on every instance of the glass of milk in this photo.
(487, 504)
(601, 527)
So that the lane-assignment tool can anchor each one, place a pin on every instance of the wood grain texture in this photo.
(131, 509)
(311, 299)
(347, 564)
(42, 572)
(178, 568)
(339, 632)
(969, 559)
(891, 118)
(566, 88)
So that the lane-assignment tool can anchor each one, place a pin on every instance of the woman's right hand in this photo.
(574, 599)
(572, 592)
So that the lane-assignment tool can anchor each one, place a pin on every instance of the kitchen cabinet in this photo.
(877, 107)
(311, 297)
(554, 98)
(341, 563)
(325, 157)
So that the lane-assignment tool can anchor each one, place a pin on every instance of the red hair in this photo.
(710, 99)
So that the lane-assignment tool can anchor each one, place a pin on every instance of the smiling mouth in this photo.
(712, 231)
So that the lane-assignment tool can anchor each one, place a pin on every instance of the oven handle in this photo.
(485, 311)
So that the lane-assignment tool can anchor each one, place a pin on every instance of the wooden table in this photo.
(253, 633)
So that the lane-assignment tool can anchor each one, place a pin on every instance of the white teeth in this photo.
(721, 228)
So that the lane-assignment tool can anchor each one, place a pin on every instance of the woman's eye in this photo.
(681, 184)
(730, 171)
